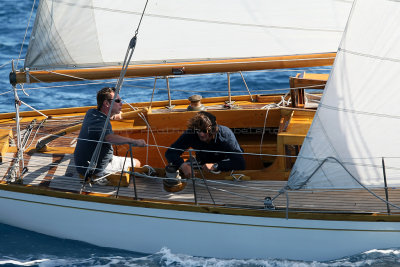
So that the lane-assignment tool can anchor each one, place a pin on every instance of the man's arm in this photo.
(235, 160)
(118, 139)
(174, 153)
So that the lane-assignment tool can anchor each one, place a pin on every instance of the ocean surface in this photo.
(19, 247)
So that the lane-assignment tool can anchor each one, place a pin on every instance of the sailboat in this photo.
(320, 184)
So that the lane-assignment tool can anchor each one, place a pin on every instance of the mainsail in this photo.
(86, 33)
(358, 121)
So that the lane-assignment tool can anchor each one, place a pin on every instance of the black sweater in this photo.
(224, 140)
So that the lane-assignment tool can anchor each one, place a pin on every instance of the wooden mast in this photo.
(232, 65)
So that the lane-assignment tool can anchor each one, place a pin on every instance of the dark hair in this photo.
(104, 94)
(204, 121)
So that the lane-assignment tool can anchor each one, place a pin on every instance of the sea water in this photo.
(19, 247)
(24, 248)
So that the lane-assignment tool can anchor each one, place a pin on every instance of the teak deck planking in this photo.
(55, 169)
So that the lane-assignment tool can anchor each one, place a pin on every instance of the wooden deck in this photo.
(55, 168)
(58, 172)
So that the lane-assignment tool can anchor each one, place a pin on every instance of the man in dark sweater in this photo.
(204, 133)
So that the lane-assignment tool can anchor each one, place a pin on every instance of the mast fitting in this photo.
(13, 78)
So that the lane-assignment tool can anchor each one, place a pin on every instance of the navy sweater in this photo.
(224, 140)
(90, 133)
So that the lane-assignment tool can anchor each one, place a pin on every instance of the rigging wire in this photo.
(36, 132)
(203, 178)
(121, 81)
(227, 191)
(287, 187)
(75, 86)
(128, 56)
(345, 162)
(5, 64)
(149, 129)
(234, 193)
(26, 32)
(40, 164)
(7, 92)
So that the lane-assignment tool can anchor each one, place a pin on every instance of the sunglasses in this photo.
(116, 100)
(200, 131)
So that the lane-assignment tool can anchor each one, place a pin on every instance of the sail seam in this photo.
(200, 20)
(360, 112)
(369, 55)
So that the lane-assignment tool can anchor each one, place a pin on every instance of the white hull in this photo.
(147, 230)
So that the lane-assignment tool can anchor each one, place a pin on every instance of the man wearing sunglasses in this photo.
(90, 134)
(205, 134)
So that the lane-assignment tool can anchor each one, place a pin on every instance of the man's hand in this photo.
(139, 142)
(117, 116)
(186, 169)
(208, 167)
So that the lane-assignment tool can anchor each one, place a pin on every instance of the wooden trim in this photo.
(42, 144)
(234, 118)
(49, 150)
(367, 217)
(5, 135)
(297, 82)
(233, 65)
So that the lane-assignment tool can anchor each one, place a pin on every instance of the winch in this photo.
(173, 182)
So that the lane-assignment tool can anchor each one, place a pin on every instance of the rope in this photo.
(36, 132)
(268, 107)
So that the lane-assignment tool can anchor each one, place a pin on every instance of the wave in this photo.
(376, 257)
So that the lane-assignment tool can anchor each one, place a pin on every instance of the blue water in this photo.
(24, 248)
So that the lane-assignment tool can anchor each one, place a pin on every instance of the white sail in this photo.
(82, 33)
(358, 120)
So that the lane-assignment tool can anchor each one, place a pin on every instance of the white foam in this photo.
(22, 262)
